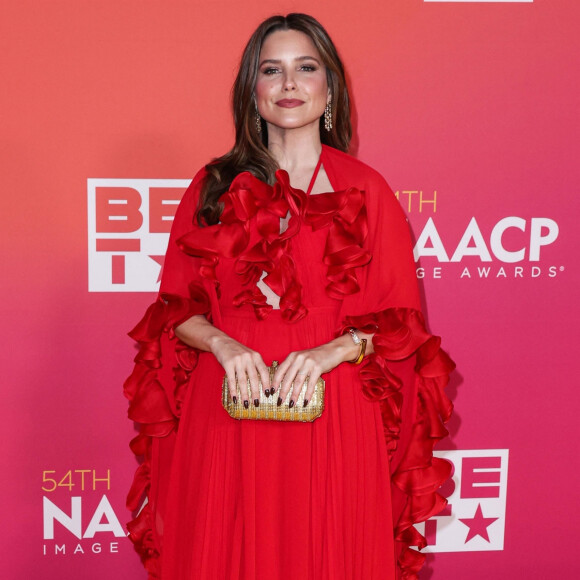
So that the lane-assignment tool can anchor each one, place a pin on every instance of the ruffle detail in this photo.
(251, 203)
(345, 214)
(399, 334)
(154, 407)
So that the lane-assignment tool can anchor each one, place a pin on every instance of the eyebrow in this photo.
(299, 59)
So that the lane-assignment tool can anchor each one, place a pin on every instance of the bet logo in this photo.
(474, 519)
(129, 221)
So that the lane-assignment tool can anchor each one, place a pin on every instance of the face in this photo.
(291, 87)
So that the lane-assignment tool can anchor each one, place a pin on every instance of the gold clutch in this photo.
(268, 410)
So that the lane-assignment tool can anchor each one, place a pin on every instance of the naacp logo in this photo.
(129, 221)
(73, 522)
(474, 519)
(508, 247)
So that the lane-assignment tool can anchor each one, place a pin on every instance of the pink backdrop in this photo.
(476, 101)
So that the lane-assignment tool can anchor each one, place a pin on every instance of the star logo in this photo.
(477, 525)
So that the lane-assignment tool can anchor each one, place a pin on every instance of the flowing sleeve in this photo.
(407, 372)
(155, 388)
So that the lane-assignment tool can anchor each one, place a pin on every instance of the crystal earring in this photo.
(258, 121)
(328, 117)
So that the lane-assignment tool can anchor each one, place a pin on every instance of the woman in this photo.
(287, 249)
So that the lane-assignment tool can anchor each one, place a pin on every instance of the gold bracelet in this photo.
(361, 352)
(362, 343)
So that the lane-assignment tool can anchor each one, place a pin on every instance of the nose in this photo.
(289, 83)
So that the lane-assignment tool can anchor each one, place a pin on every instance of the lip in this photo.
(289, 103)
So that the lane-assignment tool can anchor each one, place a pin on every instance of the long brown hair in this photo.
(250, 151)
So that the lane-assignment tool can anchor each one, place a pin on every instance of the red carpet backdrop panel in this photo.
(470, 111)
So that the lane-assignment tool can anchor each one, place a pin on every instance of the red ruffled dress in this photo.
(334, 499)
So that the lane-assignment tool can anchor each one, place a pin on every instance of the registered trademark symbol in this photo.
(561, 268)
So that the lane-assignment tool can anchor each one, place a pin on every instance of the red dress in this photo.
(333, 499)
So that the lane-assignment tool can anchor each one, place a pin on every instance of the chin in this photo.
(293, 124)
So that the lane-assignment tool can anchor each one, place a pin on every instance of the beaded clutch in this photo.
(268, 410)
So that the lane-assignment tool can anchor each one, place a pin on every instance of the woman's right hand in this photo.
(241, 363)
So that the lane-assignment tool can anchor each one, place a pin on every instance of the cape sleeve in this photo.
(407, 372)
(156, 386)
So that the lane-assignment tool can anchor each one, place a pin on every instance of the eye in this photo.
(270, 70)
(308, 67)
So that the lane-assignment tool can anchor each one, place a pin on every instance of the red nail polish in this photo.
(267, 392)
(235, 400)
(291, 404)
(305, 402)
(279, 402)
(256, 402)
(246, 404)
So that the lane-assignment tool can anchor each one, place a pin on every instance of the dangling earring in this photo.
(328, 116)
(258, 121)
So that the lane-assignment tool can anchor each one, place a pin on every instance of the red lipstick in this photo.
(289, 103)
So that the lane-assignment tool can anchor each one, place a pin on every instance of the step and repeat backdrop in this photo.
(470, 111)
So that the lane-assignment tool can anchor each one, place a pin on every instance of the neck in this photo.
(295, 149)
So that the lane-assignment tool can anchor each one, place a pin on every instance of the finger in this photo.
(312, 380)
(243, 386)
(292, 376)
(286, 384)
(254, 384)
(301, 378)
(264, 374)
(281, 371)
(279, 374)
(283, 390)
(232, 387)
(265, 379)
(231, 377)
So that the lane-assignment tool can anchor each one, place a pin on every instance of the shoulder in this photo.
(383, 207)
(348, 171)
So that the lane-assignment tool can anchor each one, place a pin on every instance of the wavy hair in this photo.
(250, 151)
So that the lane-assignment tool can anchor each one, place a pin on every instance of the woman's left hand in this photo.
(311, 363)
